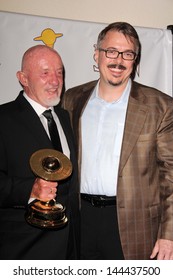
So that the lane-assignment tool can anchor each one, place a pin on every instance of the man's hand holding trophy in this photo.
(44, 190)
(50, 166)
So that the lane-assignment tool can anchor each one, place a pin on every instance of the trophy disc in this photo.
(50, 165)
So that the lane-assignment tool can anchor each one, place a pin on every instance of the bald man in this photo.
(23, 131)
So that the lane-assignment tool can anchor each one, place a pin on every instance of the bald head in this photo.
(41, 75)
(32, 53)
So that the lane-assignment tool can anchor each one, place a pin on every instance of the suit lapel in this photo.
(135, 119)
(80, 105)
(30, 120)
(83, 96)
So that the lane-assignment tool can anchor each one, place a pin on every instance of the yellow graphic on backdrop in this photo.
(48, 37)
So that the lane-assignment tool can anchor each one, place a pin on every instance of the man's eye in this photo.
(129, 54)
(60, 72)
(111, 51)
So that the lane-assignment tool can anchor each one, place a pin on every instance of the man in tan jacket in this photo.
(124, 132)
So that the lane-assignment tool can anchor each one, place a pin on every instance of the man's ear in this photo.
(95, 56)
(21, 76)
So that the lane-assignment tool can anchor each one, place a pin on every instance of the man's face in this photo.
(114, 72)
(43, 73)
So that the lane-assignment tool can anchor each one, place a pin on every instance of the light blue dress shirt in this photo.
(102, 134)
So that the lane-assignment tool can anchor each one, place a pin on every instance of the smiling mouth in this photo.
(52, 91)
(116, 70)
(117, 66)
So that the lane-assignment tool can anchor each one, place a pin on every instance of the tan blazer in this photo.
(145, 179)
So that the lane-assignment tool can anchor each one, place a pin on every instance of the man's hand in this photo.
(44, 190)
(163, 249)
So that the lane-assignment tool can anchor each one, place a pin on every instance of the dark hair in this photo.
(129, 32)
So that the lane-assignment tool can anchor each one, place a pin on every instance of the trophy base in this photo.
(44, 215)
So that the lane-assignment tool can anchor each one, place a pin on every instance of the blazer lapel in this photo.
(135, 118)
(31, 121)
(82, 97)
(82, 101)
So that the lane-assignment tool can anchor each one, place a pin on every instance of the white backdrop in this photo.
(74, 41)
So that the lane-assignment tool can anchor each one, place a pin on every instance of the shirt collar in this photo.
(123, 98)
(39, 109)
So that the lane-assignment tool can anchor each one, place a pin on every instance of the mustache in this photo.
(117, 66)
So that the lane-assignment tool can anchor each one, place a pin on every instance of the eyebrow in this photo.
(116, 49)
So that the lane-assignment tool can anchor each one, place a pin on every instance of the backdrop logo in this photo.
(48, 37)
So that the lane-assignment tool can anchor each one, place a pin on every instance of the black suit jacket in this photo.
(21, 134)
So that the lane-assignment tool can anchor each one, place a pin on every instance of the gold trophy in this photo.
(49, 165)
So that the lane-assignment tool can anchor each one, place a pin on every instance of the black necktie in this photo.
(53, 131)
